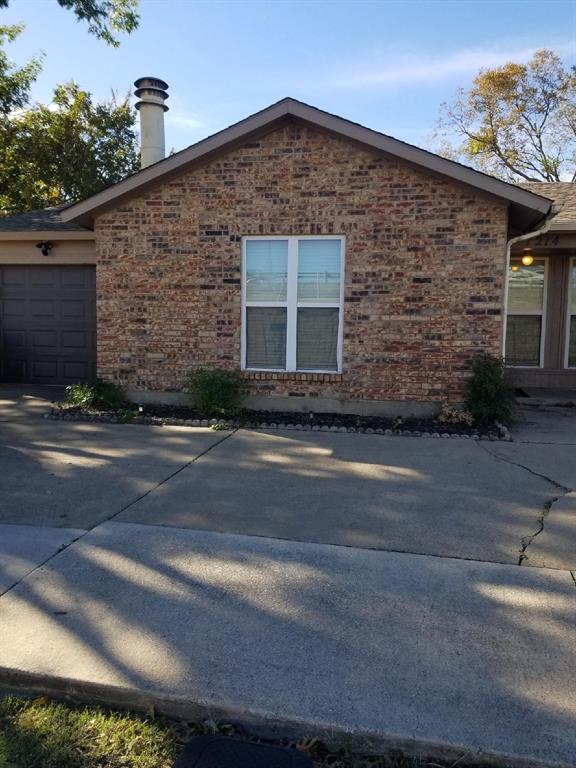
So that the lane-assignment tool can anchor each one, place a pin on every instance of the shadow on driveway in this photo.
(473, 655)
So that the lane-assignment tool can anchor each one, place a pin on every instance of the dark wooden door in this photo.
(47, 324)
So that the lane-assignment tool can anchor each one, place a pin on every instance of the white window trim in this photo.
(537, 313)
(569, 313)
(292, 305)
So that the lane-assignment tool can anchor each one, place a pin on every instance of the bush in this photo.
(450, 415)
(215, 391)
(95, 394)
(489, 395)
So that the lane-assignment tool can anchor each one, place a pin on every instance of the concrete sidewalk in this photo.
(379, 648)
(23, 548)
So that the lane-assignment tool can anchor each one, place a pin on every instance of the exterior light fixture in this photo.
(515, 268)
(527, 258)
(45, 246)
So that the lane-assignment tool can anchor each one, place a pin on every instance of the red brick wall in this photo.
(424, 268)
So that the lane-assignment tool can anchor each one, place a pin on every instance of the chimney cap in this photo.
(151, 90)
(151, 82)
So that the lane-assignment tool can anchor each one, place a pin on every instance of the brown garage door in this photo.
(47, 324)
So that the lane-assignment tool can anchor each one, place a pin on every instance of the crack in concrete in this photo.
(118, 512)
(526, 541)
(573, 574)
(506, 460)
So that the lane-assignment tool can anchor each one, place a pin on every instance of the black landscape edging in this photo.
(302, 422)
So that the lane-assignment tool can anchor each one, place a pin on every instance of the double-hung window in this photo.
(525, 318)
(572, 316)
(292, 297)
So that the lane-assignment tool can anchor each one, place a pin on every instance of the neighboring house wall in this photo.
(424, 269)
(558, 251)
(20, 251)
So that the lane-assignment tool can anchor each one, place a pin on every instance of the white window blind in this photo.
(292, 303)
(524, 322)
(572, 317)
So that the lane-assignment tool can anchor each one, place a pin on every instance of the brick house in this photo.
(337, 267)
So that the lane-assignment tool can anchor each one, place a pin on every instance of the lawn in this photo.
(38, 733)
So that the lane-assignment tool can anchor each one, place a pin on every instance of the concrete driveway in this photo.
(453, 498)
(250, 576)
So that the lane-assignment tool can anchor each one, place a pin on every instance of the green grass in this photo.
(35, 733)
(39, 733)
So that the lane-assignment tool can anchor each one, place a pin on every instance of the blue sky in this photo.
(385, 64)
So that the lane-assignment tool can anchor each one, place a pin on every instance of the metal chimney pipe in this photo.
(152, 94)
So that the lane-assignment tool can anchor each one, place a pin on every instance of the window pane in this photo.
(523, 339)
(572, 348)
(526, 286)
(317, 339)
(266, 270)
(266, 337)
(572, 320)
(319, 270)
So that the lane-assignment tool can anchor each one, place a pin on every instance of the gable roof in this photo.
(526, 208)
(563, 193)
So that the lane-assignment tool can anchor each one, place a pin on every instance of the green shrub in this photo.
(95, 394)
(489, 394)
(215, 391)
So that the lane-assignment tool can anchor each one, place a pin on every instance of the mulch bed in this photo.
(175, 415)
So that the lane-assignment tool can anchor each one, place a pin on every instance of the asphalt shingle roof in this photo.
(47, 219)
(562, 192)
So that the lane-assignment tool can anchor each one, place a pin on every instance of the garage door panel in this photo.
(14, 339)
(45, 369)
(75, 339)
(13, 308)
(42, 308)
(47, 340)
(14, 370)
(77, 278)
(76, 370)
(47, 324)
(45, 277)
(76, 309)
(13, 278)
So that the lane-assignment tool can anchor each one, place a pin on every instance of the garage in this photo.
(47, 323)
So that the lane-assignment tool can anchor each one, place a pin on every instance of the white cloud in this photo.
(182, 119)
(403, 69)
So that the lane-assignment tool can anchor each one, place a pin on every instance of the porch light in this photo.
(527, 258)
(45, 246)
(514, 267)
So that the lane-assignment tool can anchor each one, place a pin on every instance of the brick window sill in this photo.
(291, 376)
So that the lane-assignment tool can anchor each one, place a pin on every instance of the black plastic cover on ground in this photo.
(222, 752)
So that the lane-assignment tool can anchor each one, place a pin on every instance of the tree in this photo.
(15, 82)
(55, 154)
(517, 121)
(69, 150)
(104, 17)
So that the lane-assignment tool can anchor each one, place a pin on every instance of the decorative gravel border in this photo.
(110, 417)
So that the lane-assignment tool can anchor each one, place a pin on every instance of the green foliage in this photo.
(15, 82)
(489, 395)
(50, 155)
(43, 734)
(518, 121)
(215, 391)
(104, 17)
(96, 394)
